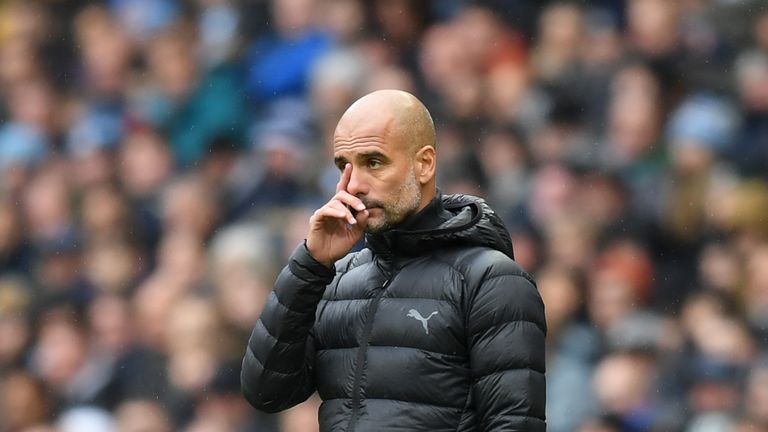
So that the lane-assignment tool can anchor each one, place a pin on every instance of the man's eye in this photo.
(374, 163)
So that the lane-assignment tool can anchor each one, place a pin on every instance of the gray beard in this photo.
(387, 225)
(393, 216)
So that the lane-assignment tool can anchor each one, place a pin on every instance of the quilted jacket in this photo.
(431, 327)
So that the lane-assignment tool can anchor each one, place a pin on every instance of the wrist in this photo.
(317, 257)
(304, 265)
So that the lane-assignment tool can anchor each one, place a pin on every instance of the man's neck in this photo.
(428, 216)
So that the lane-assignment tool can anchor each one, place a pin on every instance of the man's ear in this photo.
(426, 163)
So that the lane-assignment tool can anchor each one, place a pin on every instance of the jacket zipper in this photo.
(361, 354)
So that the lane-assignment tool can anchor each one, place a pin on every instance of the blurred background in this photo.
(159, 160)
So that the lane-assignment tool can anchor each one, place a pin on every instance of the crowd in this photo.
(159, 160)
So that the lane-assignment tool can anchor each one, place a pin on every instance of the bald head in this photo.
(388, 140)
(396, 114)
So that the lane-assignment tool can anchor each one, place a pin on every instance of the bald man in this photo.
(432, 326)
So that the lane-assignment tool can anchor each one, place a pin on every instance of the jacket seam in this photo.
(300, 271)
(507, 369)
(391, 346)
(361, 357)
(505, 322)
(415, 402)
(523, 416)
(399, 400)
(289, 311)
(390, 298)
(354, 262)
(467, 400)
(521, 274)
(414, 348)
(270, 370)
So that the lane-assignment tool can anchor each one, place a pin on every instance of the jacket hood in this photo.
(450, 221)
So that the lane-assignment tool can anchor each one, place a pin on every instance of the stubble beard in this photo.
(406, 202)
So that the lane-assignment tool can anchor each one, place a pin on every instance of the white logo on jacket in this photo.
(413, 313)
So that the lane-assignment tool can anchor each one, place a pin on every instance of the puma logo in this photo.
(413, 313)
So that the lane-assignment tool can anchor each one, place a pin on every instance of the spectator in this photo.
(23, 401)
(242, 274)
(192, 106)
(278, 64)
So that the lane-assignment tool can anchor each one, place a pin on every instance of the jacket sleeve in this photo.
(506, 330)
(277, 370)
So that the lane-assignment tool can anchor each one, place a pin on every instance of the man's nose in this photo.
(356, 183)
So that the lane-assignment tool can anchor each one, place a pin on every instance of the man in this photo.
(431, 327)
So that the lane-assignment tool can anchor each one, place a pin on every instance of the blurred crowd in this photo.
(159, 160)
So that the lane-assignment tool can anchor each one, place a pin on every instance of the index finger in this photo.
(345, 176)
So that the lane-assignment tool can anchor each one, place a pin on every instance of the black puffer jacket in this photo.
(431, 327)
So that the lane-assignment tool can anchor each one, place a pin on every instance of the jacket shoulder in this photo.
(482, 263)
(500, 290)
(352, 260)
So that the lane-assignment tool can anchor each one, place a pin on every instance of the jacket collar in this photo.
(447, 221)
(384, 243)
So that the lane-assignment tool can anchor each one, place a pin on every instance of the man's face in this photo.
(383, 175)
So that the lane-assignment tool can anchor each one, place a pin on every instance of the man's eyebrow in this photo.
(339, 161)
(372, 155)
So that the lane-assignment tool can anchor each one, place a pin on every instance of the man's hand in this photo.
(333, 228)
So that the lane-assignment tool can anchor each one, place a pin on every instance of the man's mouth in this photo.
(371, 204)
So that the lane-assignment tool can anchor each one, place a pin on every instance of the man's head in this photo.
(389, 139)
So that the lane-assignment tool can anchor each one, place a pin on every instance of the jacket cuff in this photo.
(304, 266)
